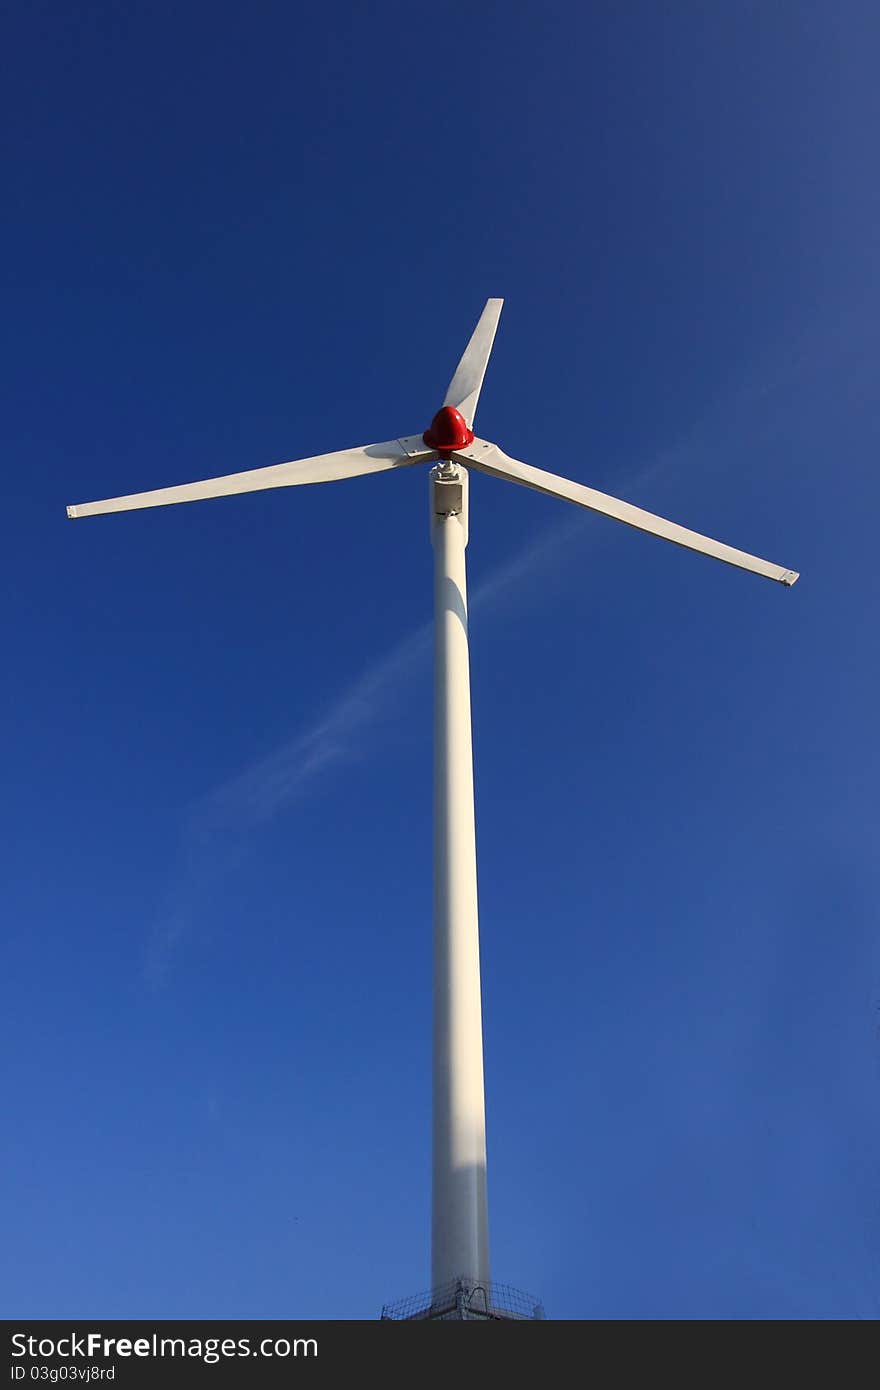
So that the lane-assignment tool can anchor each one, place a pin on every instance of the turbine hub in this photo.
(449, 431)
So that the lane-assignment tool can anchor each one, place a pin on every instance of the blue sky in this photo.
(239, 235)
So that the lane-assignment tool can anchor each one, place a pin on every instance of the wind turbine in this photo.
(460, 1239)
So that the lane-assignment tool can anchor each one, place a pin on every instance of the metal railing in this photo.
(465, 1300)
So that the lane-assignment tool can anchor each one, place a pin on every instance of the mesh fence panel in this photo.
(465, 1300)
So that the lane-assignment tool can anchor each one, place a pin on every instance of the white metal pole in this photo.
(460, 1230)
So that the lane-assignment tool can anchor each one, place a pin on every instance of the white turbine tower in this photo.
(460, 1239)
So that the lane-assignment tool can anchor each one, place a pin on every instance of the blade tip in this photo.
(71, 511)
(790, 577)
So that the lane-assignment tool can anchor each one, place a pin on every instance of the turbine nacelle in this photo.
(448, 431)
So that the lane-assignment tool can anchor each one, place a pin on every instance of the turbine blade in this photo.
(488, 458)
(322, 468)
(465, 386)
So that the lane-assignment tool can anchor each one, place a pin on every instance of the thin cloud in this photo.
(216, 829)
(265, 788)
(274, 782)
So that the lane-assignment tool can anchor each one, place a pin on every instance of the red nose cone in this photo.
(448, 431)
